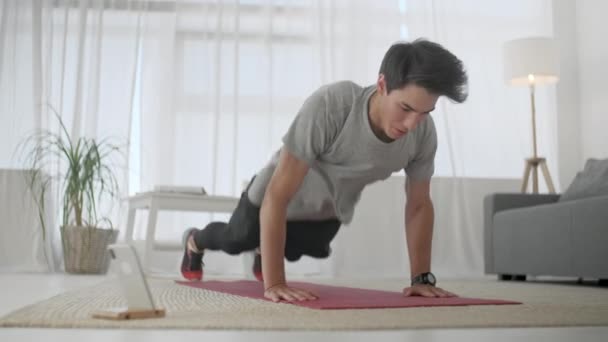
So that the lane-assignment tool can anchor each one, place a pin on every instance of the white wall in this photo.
(580, 30)
(374, 243)
(593, 76)
(567, 99)
(22, 247)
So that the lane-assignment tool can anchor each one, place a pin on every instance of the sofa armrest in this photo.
(494, 203)
(503, 201)
(590, 236)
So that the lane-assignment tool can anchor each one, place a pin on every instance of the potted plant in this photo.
(84, 178)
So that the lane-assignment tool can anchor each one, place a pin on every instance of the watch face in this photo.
(425, 278)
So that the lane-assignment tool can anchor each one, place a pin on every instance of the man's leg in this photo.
(240, 234)
(310, 238)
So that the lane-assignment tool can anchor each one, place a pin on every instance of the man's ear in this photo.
(381, 84)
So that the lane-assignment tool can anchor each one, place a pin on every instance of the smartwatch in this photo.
(426, 278)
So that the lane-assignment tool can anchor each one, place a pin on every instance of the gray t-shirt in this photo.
(333, 134)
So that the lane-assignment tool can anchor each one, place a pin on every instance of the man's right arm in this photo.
(283, 185)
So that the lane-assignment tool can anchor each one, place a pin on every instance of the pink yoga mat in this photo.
(337, 297)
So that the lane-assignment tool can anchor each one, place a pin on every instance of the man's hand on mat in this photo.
(290, 294)
(426, 291)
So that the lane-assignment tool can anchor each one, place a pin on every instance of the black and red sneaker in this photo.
(257, 266)
(192, 262)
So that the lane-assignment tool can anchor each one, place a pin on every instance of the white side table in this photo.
(155, 201)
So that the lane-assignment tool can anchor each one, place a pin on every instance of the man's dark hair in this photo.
(426, 64)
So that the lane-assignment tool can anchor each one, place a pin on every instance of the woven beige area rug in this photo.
(544, 305)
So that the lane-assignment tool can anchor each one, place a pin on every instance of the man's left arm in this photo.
(419, 217)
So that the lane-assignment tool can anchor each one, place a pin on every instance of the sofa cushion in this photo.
(592, 181)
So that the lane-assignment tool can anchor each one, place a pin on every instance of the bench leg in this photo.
(130, 224)
(247, 262)
(150, 234)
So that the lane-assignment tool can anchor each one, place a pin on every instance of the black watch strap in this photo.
(426, 278)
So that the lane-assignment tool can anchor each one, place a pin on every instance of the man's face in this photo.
(403, 109)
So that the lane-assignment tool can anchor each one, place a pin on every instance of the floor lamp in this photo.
(531, 62)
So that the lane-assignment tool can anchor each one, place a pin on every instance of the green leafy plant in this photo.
(81, 168)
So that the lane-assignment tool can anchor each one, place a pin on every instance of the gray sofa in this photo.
(547, 234)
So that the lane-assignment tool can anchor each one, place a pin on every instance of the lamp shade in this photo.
(535, 56)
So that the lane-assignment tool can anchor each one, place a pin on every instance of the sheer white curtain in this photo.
(76, 58)
(222, 80)
(489, 136)
(482, 143)
(204, 91)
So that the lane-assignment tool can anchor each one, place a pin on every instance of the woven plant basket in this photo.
(85, 250)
